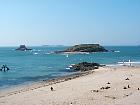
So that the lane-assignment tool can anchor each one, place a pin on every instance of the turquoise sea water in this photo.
(40, 64)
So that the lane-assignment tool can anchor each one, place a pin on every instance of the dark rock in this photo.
(84, 48)
(127, 79)
(85, 66)
(94, 91)
(23, 48)
(102, 88)
(107, 87)
(108, 83)
(124, 87)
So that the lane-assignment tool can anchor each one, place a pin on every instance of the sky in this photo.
(69, 22)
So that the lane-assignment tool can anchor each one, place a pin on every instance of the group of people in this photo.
(4, 68)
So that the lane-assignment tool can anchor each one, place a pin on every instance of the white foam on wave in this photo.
(67, 55)
(35, 53)
(117, 51)
(128, 62)
(67, 68)
(70, 66)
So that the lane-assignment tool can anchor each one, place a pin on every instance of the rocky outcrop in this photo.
(86, 48)
(85, 66)
(23, 48)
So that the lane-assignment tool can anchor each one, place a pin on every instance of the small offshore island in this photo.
(84, 48)
(23, 48)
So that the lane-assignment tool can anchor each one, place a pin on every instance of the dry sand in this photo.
(84, 90)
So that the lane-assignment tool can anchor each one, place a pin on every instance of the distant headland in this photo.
(53, 45)
(23, 48)
(84, 48)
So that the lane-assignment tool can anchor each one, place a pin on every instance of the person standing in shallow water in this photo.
(4, 68)
(130, 64)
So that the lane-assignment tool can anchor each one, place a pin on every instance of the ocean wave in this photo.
(68, 68)
(129, 62)
(35, 78)
(35, 53)
(117, 51)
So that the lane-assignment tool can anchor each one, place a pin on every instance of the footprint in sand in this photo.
(107, 87)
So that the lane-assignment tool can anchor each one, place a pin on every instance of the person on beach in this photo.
(4, 68)
(130, 64)
(51, 88)
(123, 63)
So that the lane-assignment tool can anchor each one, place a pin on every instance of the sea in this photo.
(41, 64)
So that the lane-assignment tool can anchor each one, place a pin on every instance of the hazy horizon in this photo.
(68, 45)
(69, 22)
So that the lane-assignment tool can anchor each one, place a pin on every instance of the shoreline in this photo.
(81, 88)
(39, 84)
(73, 53)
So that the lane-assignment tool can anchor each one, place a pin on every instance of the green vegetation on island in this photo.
(86, 48)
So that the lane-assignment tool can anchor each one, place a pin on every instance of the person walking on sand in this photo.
(130, 62)
(51, 88)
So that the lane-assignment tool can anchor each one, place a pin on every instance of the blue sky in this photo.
(68, 22)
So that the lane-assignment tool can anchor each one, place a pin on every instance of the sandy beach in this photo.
(103, 86)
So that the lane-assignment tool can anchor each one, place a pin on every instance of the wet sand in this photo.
(103, 86)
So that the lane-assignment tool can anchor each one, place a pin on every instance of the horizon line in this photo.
(53, 45)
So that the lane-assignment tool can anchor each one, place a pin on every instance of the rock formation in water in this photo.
(23, 48)
(85, 66)
(85, 48)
